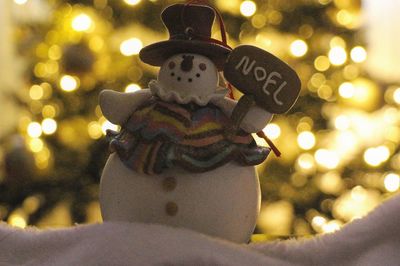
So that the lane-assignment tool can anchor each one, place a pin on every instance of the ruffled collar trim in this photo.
(170, 96)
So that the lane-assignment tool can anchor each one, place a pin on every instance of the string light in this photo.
(376, 156)
(36, 144)
(346, 90)
(306, 161)
(131, 46)
(298, 48)
(95, 130)
(81, 22)
(337, 56)
(68, 83)
(396, 95)
(132, 87)
(17, 219)
(108, 125)
(306, 140)
(327, 158)
(49, 126)
(20, 2)
(36, 92)
(392, 182)
(132, 2)
(248, 8)
(321, 63)
(358, 54)
(34, 130)
(272, 130)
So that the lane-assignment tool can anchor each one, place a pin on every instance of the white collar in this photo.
(169, 96)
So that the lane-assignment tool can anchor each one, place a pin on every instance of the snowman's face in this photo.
(189, 75)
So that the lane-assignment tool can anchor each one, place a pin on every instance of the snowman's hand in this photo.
(118, 106)
(255, 120)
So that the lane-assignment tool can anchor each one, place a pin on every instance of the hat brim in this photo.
(157, 53)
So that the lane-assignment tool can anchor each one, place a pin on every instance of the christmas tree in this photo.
(339, 143)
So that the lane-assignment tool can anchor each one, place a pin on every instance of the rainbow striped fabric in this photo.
(161, 135)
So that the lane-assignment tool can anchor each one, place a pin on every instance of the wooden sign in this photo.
(273, 84)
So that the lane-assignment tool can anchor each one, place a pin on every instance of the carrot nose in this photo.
(187, 63)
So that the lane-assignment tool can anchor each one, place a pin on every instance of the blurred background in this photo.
(340, 142)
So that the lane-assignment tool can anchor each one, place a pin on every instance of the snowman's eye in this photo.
(198, 75)
(202, 66)
(171, 65)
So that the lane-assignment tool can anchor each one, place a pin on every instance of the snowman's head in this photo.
(189, 75)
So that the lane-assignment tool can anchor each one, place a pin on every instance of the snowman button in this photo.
(171, 208)
(169, 183)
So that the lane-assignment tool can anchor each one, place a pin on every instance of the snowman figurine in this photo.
(173, 162)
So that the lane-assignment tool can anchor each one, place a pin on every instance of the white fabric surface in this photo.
(373, 240)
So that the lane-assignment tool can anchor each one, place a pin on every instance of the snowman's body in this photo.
(222, 202)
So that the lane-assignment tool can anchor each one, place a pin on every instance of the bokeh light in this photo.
(248, 8)
(131, 46)
(298, 48)
(392, 182)
(132, 2)
(337, 56)
(81, 22)
(306, 140)
(34, 130)
(132, 87)
(68, 83)
(358, 54)
(272, 130)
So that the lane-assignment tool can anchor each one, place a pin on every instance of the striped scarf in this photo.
(161, 135)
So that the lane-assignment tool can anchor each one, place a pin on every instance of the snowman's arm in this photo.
(118, 106)
(255, 120)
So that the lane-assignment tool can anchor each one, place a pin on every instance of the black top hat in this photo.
(189, 28)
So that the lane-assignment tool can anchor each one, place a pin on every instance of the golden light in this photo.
(94, 130)
(36, 144)
(34, 130)
(81, 22)
(337, 56)
(342, 122)
(358, 193)
(330, 183)
(344, 17)
(306, 161)
(392, 182)
(132, 87)
(108, 125)
(49, 126)
(248, 8)
(306, 140)
(68, 83)
(20, 2)
(376, 155)
(358, 54)
(327, 158)
(36, 92)
(54, 52)
(132, 2)
(331, 226)
(318, 222)
(17, 220)
(298, 48)
(321, 63)
(49, 111)
(131, 46)
(346, 90)
(272, 130)
(396, 95)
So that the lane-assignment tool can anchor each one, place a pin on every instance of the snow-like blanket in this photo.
(373, 240)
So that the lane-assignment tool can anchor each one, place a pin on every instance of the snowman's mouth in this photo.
(179, 78)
